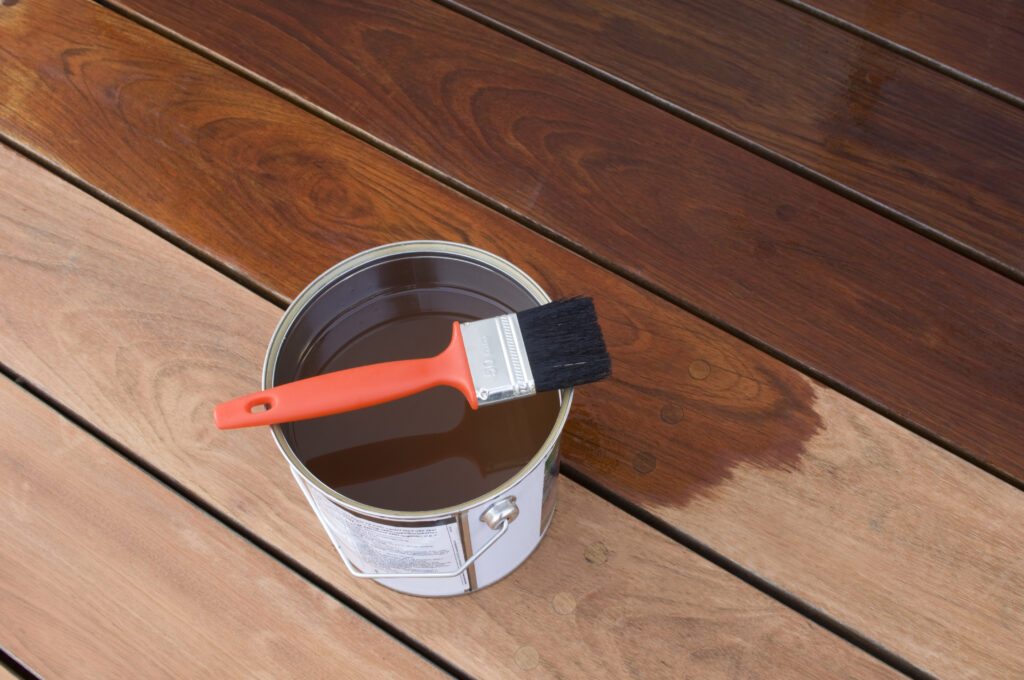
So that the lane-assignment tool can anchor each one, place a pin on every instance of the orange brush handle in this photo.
(351, 389)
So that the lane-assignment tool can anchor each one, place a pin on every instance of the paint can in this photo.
(353, 310)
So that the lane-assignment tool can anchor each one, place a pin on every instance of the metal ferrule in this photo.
(497, 359)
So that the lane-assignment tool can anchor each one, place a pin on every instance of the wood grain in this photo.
(690, 408)
(879, 309)
(984, 40)
(142, 340)
(930, 148)
(106, 573)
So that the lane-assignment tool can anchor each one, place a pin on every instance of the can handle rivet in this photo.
(504, 509)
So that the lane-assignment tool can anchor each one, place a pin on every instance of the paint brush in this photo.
(549, 347)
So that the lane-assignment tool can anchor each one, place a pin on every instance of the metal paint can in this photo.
(450, 550)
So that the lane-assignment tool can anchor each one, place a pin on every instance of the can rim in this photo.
(359, 260)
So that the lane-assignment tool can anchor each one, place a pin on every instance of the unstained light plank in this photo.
(142, 340)
(107, 573)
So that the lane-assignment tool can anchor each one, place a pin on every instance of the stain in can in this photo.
(427, 451)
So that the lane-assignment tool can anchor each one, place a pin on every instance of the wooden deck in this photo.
(803, 228)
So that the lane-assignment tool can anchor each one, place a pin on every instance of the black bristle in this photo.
(564, 344)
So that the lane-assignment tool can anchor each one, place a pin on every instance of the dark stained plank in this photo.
(930, 148)
(158, 338)
(878, 308)
(107, 573)
(827, 499)
(983, 39)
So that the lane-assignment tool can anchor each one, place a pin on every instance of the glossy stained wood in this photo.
(106, 573)
(689, 410)
(984, 40)
(928, 147)
(876, 307)
(160, 338)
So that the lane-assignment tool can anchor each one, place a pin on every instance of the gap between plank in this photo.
(904, 51)
(9, 662)
(240, 529)
(739, 140)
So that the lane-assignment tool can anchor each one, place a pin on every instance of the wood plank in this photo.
(984, 40)
(746, 409)
(879, 309)
(142, 340)
(931, 149)
(107, 573)
(689, 402)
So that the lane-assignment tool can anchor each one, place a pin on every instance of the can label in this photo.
(390, 547)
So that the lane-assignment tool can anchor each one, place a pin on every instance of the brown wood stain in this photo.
(874, 307)
(714, 414)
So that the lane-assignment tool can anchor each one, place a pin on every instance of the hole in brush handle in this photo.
(260, 406)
